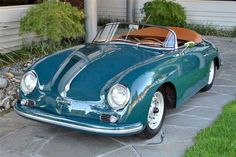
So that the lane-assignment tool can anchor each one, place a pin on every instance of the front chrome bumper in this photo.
(117, 129)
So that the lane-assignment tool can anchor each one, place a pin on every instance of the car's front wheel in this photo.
(211, 77)
(156, 114)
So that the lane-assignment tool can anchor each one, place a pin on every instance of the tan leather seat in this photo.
(182, 34)
(186, 34)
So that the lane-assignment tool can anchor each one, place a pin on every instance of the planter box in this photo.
(9, 27)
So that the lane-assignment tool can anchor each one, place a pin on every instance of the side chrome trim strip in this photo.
(83, 128)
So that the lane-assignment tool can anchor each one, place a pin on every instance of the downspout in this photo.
(90, 8)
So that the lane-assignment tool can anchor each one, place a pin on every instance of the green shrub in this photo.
(233, 32)
(165, 13)
(54, 21)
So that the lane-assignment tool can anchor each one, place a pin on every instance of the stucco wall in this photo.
(9, 27)
(219, 13)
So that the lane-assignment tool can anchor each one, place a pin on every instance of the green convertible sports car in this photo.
(121, 83)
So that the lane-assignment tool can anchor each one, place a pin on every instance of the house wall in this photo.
(218, 13)
(111, 9)
(9, 27)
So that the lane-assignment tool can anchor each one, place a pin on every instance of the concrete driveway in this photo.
(22, 138)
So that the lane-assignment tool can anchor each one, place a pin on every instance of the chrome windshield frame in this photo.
(116, 24)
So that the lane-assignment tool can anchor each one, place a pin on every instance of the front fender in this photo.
(213, 53)
(144, 81)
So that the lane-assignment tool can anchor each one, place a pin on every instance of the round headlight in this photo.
(28, 82)
(118, 96)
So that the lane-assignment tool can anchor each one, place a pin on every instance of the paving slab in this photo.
(123, 151)
(14, 154)
(208, 113)
(164, 150)
(218, 100)
(76, 144)
(188, 121)
(20, 137)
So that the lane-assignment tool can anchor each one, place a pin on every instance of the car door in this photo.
(194, 70)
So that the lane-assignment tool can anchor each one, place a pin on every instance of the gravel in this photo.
(9, 75)
(9, 83)
(3, 83)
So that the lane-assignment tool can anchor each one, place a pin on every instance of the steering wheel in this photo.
(135, 39)
(129, 39)
(154, 39)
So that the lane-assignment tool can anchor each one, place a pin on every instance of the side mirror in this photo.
(189, 44)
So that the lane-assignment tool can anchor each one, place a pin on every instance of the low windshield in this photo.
(152, 36)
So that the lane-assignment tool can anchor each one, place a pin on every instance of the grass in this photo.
(219, 140)
(35, 50)
(15, 56)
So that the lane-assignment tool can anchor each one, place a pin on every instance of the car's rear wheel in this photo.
(156, 114)
(211, 77)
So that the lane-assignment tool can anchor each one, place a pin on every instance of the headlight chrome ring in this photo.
(28, 82)
(118, 96)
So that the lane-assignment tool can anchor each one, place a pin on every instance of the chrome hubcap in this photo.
(211, 73)
(156, 110)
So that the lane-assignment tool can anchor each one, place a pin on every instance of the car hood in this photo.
(86, 71)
